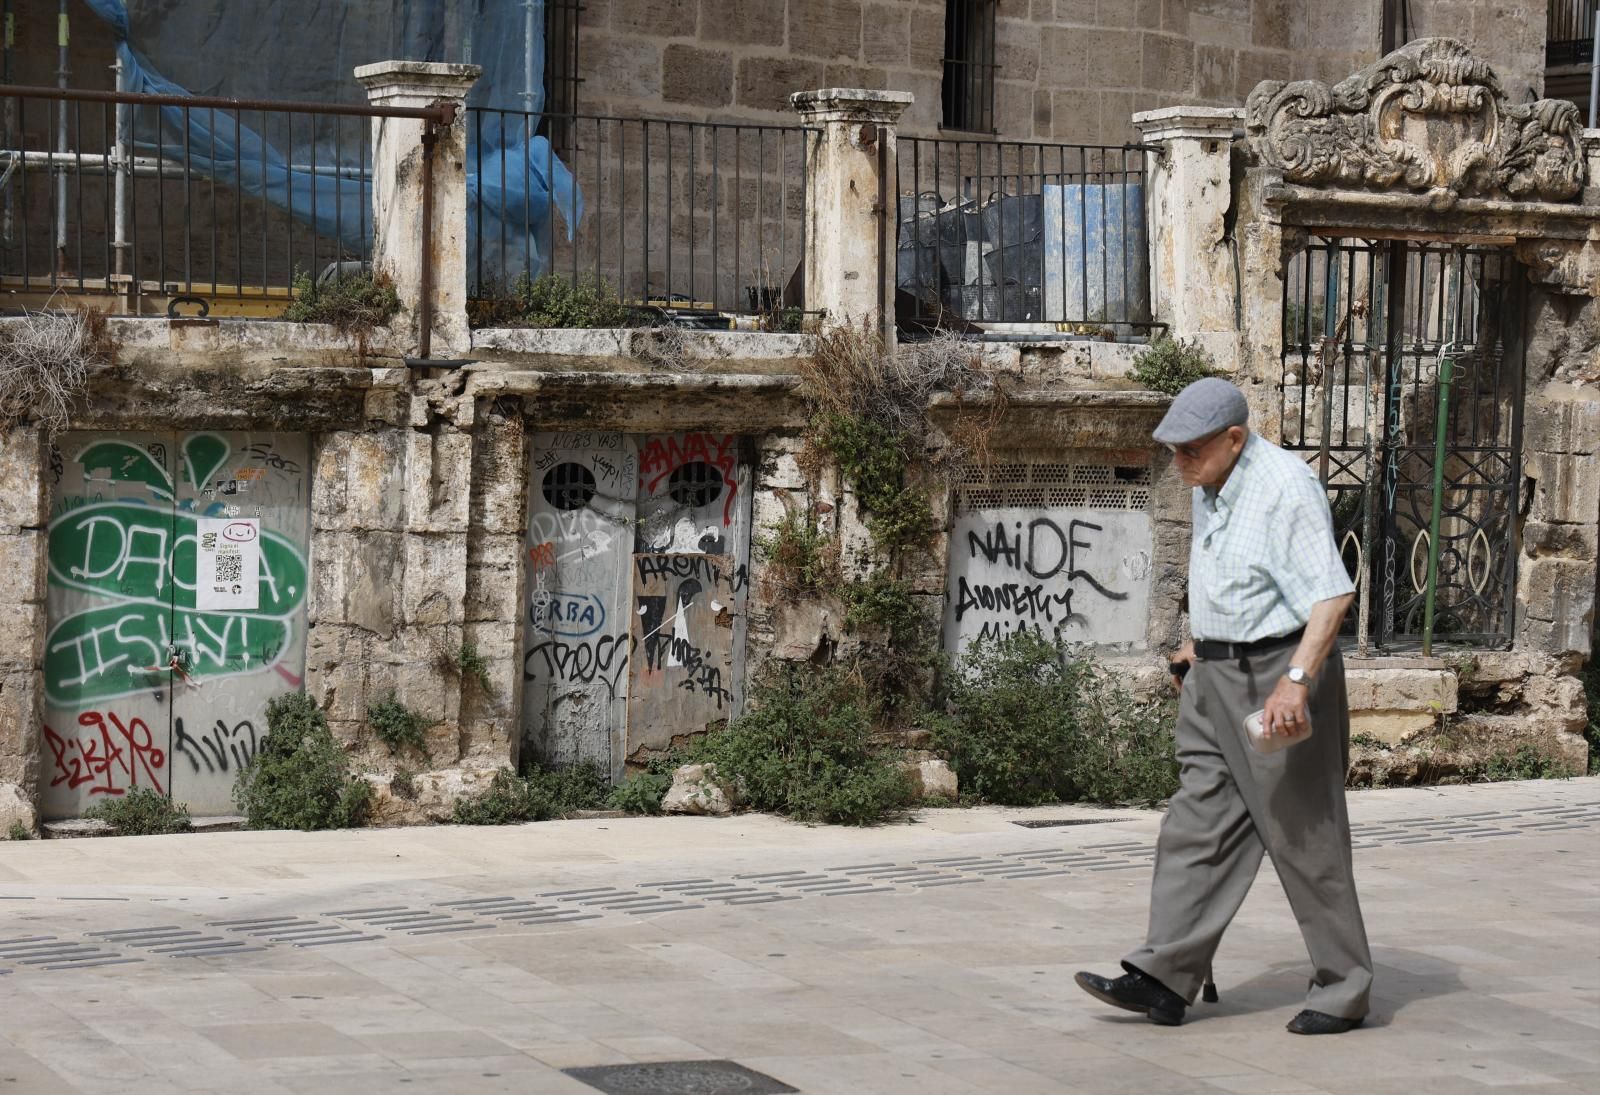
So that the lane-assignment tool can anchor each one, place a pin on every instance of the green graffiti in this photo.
(123, 648)
(125, 462)
(141, 560)
(204, 454)
(133, 552)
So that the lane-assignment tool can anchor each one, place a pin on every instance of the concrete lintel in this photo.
(1395, 213)
(529, 381)
(621, 342)
(1203, 123)
(851, 104)
(387, 82)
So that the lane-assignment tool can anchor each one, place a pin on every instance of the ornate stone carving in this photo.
(1429, 117)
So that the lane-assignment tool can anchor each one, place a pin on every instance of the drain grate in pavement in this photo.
(518, 911)
(678, 1078)
(295, 930)
(175, 942)
(628, 901)
(1059, 822)
(53, 953)
(401, 918)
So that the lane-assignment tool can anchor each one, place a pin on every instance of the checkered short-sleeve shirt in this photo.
(1263, 550)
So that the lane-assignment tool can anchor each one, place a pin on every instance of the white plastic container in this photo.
(1261, 743)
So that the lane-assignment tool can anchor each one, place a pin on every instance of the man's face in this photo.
(1207, 461)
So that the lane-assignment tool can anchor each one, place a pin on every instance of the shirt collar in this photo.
(1225, 498)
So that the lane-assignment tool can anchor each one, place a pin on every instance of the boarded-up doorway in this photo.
(154, 678)
(637, 555)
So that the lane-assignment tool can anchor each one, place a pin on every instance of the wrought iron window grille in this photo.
(969, 65)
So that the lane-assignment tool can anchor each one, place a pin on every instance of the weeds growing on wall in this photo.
(1030, 724)
(357, 304)
(397, 726)
(45, 362)
(1591, 694)
(801, 558)
(1170, 365)
(143, 811)
(300, 776)
(551, 300)
(19, 831)
(472, 665)
(537, 795)
(806, 748)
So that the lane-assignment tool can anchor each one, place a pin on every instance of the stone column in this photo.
(850, 202)
(397, 152)
(24, 514)
(1189, 190)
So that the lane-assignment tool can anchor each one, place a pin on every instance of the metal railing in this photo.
(694, 217)
(1569, 32)
(1046, 235)
(149, 197)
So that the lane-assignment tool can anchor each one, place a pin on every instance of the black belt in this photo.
(1210, 651)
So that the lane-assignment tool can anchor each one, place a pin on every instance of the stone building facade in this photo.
(584, 508)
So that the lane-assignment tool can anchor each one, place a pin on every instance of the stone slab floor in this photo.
(931, 956)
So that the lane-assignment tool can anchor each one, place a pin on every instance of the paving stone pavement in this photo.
(931, 956)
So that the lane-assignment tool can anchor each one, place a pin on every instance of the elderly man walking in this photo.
(1267, 592)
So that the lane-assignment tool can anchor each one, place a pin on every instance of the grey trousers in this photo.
(1233, 805)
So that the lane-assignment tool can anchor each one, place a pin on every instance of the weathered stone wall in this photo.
(24, 513)
(1070, 70)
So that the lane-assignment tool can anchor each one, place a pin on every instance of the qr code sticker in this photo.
(230, 565)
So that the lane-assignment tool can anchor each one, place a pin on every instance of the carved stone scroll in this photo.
(1429, 117)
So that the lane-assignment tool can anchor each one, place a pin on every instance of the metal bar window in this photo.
(969, 66)
(561, 77)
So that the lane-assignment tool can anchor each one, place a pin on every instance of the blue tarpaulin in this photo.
(308, 50)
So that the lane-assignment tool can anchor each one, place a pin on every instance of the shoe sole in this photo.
(1155, 1015)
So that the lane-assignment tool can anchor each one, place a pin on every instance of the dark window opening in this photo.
(969, 66)
(561, 77)
(568, 486)
(695, 484)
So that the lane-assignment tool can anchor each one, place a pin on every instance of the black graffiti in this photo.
(265, 453)
(700, 675)
(1026, 602)
(653, 566)
(219, 749)
(1043, 551)
(582, 662)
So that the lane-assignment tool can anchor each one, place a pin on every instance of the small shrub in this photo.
(801, 558)
(472, 665)
(19, 831)
(538, 796)
(1031, 725)
(642, 794)
(805, 749)
(357, 304)
(45, 362)
(1169, 365)
(397, 726)
(143, 811)
(1527, 762)
(553, 301)
(873, 458)
(300, 776)
(787, 321)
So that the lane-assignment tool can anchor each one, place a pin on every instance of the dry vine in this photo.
(45, 362)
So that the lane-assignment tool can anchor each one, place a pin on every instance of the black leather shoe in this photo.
(1318, 1022)
(1135, 991)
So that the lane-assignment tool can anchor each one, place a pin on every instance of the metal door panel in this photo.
(582, 491)
(236, 661)
(689, 577)
(107, 686)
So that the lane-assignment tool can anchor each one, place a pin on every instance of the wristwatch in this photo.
(1298, 676)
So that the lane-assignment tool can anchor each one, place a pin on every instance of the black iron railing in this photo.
(691, 216)
(1569, 32)
(146, 197)
(1010, 233)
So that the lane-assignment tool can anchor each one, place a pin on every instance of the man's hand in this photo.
(1185, 656)
(1286, 711)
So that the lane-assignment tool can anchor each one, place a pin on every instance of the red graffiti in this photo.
(543, 555)
(663, 455)
(111, 758)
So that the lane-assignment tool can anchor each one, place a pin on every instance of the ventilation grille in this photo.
(1042, 486)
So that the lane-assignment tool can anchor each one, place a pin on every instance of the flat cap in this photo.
(1202, 409)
